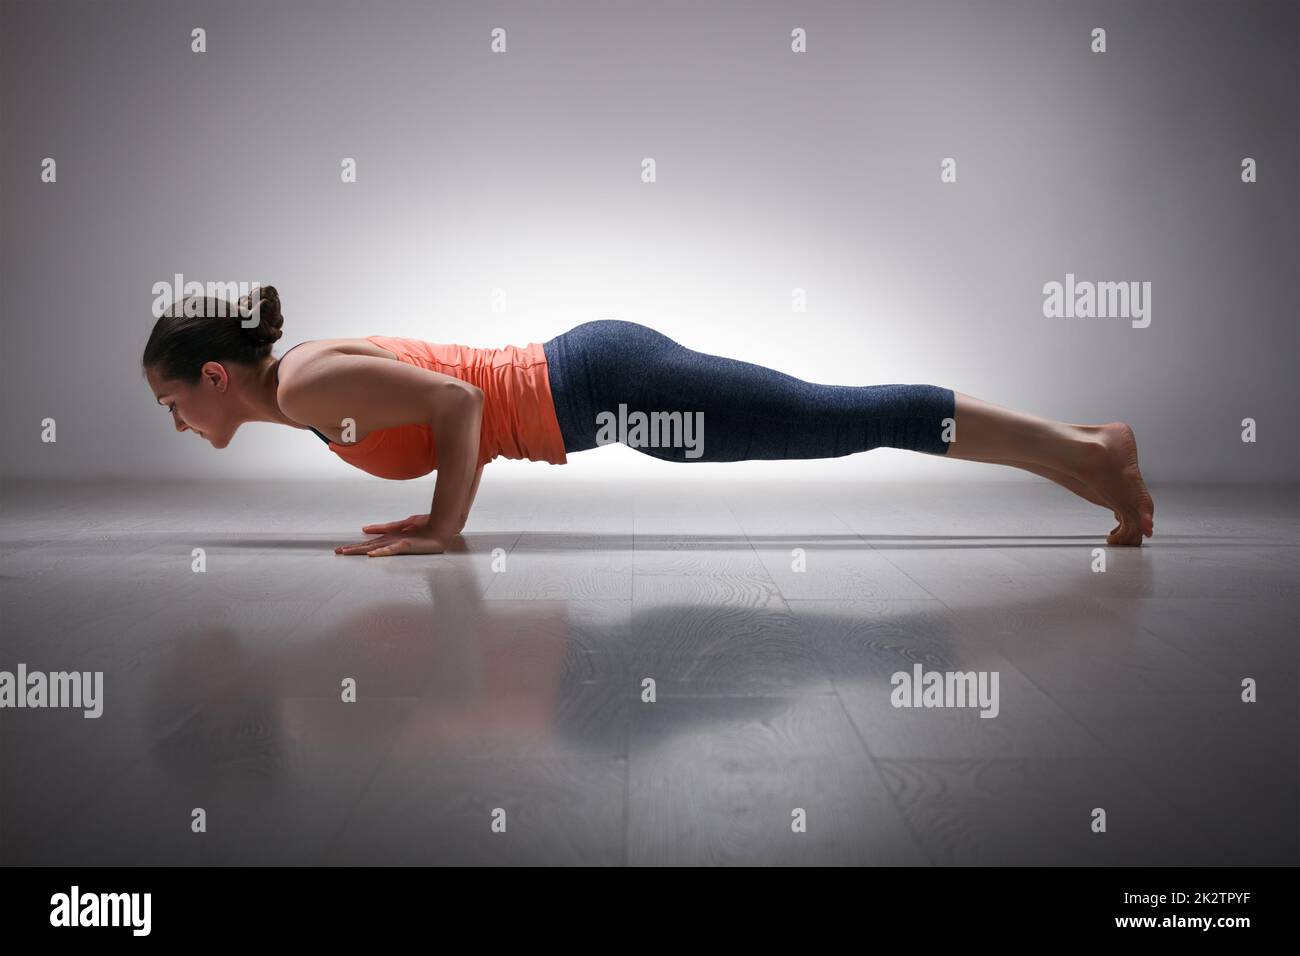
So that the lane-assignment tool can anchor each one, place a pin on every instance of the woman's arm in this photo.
(456, 426)
(380, 393)
(415, 522)
(469, 503)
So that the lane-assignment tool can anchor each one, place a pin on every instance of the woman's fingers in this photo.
(382, 528)
(394, 544)
(363, 546)
(404, 524)
(412, 545)
(397, 547)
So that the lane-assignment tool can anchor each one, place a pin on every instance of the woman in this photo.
(399, 408)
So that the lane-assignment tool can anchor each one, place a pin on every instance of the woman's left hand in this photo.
(409, 542)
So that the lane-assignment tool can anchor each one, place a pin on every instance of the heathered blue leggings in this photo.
(729, 410)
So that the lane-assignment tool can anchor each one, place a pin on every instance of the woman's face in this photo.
(205, 408)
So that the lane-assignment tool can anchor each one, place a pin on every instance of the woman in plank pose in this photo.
(400, 408)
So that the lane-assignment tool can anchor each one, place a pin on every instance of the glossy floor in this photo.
(503, 683)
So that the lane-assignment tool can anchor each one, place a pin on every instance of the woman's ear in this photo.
(215, 374)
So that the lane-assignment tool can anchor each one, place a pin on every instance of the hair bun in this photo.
(266, 302)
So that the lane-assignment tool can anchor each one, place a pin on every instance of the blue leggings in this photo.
(729, 410)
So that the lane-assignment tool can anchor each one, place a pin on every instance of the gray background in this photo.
(775, 171)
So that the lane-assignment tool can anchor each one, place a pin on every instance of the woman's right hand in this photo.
(413, 523)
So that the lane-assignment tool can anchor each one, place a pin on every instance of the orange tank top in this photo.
(518, 412)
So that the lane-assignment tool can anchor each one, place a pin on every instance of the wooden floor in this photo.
(506, 676)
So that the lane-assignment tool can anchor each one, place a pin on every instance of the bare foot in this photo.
(1116, 478)
(1066, 481)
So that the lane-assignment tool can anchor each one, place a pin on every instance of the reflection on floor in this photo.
(503, 682)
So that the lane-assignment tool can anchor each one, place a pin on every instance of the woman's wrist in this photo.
(442, 530)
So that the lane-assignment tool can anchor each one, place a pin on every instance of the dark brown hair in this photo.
(206, 329)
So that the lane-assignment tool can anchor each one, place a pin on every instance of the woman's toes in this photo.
(1133, 537)
(1126, 534)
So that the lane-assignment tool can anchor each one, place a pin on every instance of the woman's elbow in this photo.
(458, 395)
(474, 399)
(454, 404)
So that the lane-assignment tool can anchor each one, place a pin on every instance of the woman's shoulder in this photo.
(303, 354)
